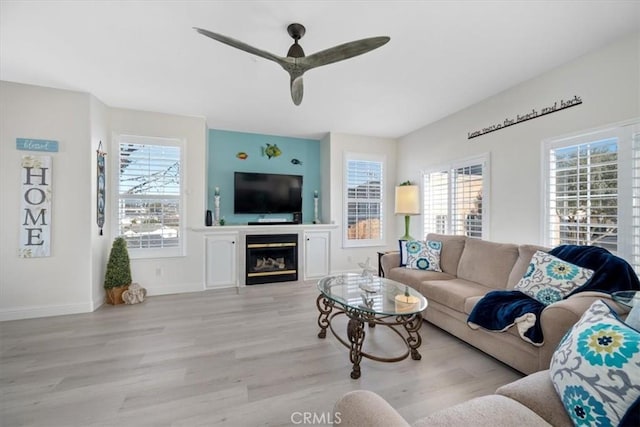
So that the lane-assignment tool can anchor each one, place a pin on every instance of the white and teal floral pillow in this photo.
(549, 279)
(424, 255)
(596, 370)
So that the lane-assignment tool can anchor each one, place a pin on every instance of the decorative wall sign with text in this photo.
(533, 114)
(35, 207)
(37, 145)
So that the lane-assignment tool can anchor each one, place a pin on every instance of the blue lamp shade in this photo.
(407, 203)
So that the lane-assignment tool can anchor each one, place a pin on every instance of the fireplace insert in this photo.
(271, 258)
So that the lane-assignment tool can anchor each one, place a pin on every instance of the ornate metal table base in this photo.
(409, 323)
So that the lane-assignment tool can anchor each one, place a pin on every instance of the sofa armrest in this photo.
(389, 261)
(536, 392)
(366, 408)
(559, 317)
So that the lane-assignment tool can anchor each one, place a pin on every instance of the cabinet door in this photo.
(222, 260)
(316, 254)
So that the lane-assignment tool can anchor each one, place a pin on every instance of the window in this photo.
(592, 190)
(455, 198)
(149, 205)
(363, 200)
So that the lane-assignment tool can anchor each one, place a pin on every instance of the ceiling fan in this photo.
(296, 63)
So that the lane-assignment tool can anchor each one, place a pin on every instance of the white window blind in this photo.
(364, 201)
(635, 201)
(453, 198)
(150, 195)
(583, 194)
(592, 191)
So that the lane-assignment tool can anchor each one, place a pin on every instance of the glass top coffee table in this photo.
(373, 300)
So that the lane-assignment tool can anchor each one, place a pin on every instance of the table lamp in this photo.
(407, 203)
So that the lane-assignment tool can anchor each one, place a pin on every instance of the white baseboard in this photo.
(173, 288)
(43, 311)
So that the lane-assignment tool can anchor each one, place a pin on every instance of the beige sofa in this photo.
(529, 401)
(470, 269)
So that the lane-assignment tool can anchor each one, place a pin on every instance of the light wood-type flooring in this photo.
(219, 358)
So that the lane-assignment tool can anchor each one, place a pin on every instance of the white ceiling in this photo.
(443, 56)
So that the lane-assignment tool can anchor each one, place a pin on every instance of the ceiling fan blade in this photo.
(241, 45)
(297, 89)
(342, 52)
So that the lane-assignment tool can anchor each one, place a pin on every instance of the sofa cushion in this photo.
(536, 392)
(487, 263)
(485, 411)
(414, 278)
(549, 279)
(595, 371)
(423, 255)
(452, 293)
(525, 253)
(452, 247)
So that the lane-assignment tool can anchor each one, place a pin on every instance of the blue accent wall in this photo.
(222, 162)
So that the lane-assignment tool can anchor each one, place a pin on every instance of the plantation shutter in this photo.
(635, 203)
(149, 193)
(583, 194)
(453, 198)
(364, 219)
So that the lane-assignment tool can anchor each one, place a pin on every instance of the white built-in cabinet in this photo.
(221, 260)
(316, 254)
(224, 249)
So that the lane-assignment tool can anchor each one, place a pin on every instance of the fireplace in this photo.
(271, 258)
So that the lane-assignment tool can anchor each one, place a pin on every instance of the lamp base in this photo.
(406, 236)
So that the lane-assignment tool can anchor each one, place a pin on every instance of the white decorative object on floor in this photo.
(134, 295)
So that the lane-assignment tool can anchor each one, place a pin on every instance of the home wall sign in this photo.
(35, 207)
(37, 145)
(533, 114)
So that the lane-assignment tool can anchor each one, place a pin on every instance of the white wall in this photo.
(60, 283)
(179, 274)
(333, 149)
(608, 82)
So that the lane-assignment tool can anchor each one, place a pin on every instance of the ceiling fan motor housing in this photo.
(296, 31)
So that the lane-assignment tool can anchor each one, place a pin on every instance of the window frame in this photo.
(483, 160)
(627, 134)
(360, 243)
(147, 253)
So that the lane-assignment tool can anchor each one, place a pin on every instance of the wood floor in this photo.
(228, 358)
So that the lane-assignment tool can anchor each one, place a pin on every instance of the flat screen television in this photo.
(265, 193)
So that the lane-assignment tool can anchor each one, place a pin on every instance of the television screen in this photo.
(263, 193)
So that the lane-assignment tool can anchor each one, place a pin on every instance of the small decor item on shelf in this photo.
(208, 218)
(134, 295)
(216, 206)
(118, 275)
(316, 220)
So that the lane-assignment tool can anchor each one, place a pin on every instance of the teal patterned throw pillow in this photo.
(549, 279)
(424, 255)
(596, 370)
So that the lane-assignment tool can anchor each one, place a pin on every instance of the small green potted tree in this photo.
(118, 276)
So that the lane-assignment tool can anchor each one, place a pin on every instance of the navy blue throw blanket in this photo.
(498, 310)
